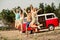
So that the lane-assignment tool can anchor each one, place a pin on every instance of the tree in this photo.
(53, 7)
(59, 6)
(7, 16)
(57, 11)
(42, 7)
(48, 9)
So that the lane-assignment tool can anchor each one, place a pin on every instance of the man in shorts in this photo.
(28, 13)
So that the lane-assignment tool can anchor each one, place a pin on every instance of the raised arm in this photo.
(25, 11)
(13, 11)
(23, 15)
(38, 10)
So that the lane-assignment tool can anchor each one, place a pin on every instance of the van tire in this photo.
(51, 27)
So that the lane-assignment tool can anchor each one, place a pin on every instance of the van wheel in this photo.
(51, 28)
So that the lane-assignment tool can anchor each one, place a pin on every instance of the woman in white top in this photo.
(21, 19)
(34, 18)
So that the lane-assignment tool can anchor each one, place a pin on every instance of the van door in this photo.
(41, 20)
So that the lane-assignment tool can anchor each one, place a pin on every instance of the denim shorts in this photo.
(27, 24)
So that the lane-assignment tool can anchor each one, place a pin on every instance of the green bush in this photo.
(4, 28)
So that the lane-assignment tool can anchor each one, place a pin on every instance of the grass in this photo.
(5, 38)
(16, 39)
(1, 37)
(52, 35)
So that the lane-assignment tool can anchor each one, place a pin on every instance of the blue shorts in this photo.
(27, 24)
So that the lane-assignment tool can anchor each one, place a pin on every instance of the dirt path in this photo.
(43, 35)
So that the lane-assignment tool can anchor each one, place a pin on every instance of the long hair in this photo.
(21, 11)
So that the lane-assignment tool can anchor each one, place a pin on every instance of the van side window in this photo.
(50, 16)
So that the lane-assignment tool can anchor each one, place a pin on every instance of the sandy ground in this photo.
(42, 35)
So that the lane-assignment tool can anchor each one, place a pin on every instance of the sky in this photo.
(9, 4)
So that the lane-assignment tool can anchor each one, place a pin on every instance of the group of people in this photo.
(31, 18)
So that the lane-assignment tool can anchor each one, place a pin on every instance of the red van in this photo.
(49, 21)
